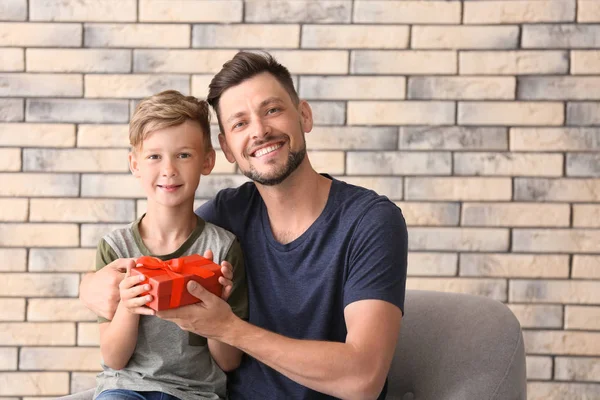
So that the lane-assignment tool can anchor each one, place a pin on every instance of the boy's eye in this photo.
(185, 155)
(153, 157)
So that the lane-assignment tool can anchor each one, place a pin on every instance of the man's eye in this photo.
(238, 125)
(272, 110)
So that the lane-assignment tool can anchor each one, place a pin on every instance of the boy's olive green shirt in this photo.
(166, 358)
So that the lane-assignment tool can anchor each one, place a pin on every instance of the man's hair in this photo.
(167, 109)
(243, 66)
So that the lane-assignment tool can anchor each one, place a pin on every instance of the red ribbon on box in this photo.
(175, 268)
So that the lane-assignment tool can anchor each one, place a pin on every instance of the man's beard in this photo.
(294, 160)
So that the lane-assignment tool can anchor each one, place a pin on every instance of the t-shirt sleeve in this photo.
(378, 257)
(238, 300)
(104, 256)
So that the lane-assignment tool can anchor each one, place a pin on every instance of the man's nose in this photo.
(260, 129)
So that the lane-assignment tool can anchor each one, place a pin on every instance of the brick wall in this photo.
(479, 118)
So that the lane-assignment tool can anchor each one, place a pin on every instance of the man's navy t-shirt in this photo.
(355, 250)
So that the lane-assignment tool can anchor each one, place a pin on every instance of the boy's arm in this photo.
(118, 338)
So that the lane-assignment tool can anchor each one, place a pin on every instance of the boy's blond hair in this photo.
(166, 109)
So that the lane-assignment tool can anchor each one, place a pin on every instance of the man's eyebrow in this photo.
(264, 103)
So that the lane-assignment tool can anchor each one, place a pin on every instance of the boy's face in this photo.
(170, 162)
(263, 129)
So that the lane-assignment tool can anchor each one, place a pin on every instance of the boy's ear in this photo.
(133, 164)
(209, 162)
(225, 148)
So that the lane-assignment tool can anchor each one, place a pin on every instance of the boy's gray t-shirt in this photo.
(166, 358)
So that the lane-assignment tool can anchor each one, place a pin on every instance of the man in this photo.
(325, 261)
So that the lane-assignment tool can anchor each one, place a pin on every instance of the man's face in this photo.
(263, 129)
(170, 162)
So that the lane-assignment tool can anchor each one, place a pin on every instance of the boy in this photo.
(145, 357)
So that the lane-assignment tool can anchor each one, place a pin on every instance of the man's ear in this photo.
(306, 118)
(133, 164)
(209, 162)
(225, 148)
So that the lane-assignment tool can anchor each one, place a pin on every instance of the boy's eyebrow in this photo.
(159, 149)
(267, 101)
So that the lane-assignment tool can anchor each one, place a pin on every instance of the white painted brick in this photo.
(557, 240)
(58, 310)
(37, 334)
(515, 214)
(407, 12)
(422, 213)
(328, 112)
(464, 37)
(461, 239)
(352, 138)
(514, 265)
(569, 190)
(461, 88)
(8, 359)
(315, 11)
(560, 36)
(82, 210)
(88, 334)
(352, 87)
(539, 368)
(137, 35)
(62, 260)
(503, 12)
(190, 11)
(34, 383)
(181, 61)
(41, 85)
(403, 62)
(586, 266)
(400, 112)
(453, 138)
(583, 113)
(554, 291)
(33, 135)
(562, 390)
(14, 210)
(583, 164)
(517, 62)
(12, 310)
(76, 160)
(459, 189)
(133, 86)
(82, 381)
(39, 235)
(246, 36)
(114, 135)
(39, 285)
(560, 342)
(582, 317)
(13, 10)
(511, 164)
(28, 34)
(398, 163)
(59, 359)
(538, 316)
(313, 61)
(355, 37)
(12, 60)
(92, 233)
(492, 288)
(111, 185)
(432, 264)
(77, 110)
(510, 113)
(83, 10)
(555, 139)
(39, 185)
(559, 88)
(78, 60)
(11, 110)
(577, 369)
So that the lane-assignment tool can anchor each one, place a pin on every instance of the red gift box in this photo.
(168, 279)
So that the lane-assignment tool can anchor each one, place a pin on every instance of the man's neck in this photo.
(165, 229)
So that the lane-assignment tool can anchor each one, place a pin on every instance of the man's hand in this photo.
(99, 291)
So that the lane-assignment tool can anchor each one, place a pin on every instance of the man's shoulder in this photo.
(353, 198)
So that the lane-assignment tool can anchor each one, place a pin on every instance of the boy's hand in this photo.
(130, 291)
(226, 280)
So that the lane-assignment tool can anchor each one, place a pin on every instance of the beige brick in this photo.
(58, 310)
(82, 10)
(200, 88)
(352, 87)
(34, 383)
(582, 317)
(407, 12)
(11, 110)
(503, 12)
(27, 34)
(92, 233)
(222, 166)
(586, 267)
(554, 291)
(330, 162)
(385, 186)
(76, 160)
(39, 185)
(583, 113)
(560, 36)
(82, 210)
(457, 189)
(328, 112)
(133, 86)
(78, 60)
(400, 112)
(82, 381)
(37, 334)
(88, 334)
(513, 62)
(51, 135)
(558, 88)
(555, 139)
(421, 213)
(403, 62)
(562, 390)
(515, 214)
(113, 185)
(12, 60)
(114, 135)
(137, 35)
(181, 61)
(77, 110)
(41, 85)
(313, 61)
(539, 368)
(453, 138)
(511, 113)
(514, 265)
(8, 359)
(13, 210)
(59, 359)
(458, 239)
(12, 310)
(190, 11)
(588, 11)
(246, 36)
(492, 288)
(538, 316)
(557, 240)
(431, 264)
(464, 37)
(541, 189)
(62, 260)
(583, 164)
(577, 369)
(398, 163)
(559, 342)
(461, 88)
(13, 10)
(13, 259)
(352, 138)
(297, 11)
(585, 61)
(355, 37)
(39, 235)
(39, 285)
(512, 164)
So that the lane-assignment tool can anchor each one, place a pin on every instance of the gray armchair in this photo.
(452, 347)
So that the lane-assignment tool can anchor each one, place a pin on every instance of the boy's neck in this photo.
(164, 229)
